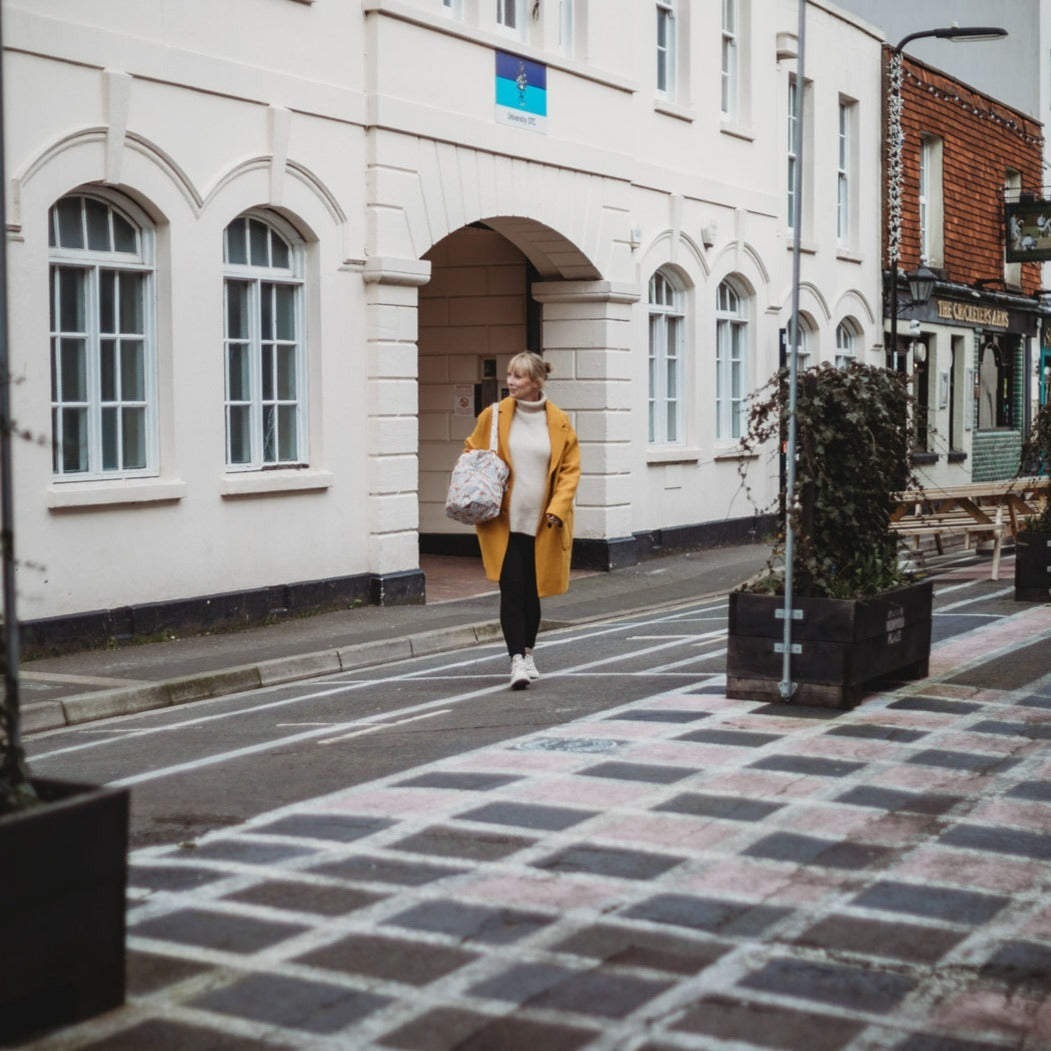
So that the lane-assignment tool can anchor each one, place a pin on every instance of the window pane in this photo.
(132, 370)
(108, 369)
(133, 437)
(259, 237)
(237, 372)
(287, 430)
(268, 371)
(70, 232)
(71, 299)
(107, 301)
(280, 252)
(74, 383)
(266, 311)
(235, 242)
(97, 215)
(269, 433)
(286, 373)
(74, 441)
(131, 289)
(110, 459)
(237, 310)
(125, 237)
(286, 312)
(238, 417)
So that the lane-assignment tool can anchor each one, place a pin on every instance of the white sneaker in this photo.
(530, 667)
(519, 675)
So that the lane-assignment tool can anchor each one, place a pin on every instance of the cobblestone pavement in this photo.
(683, 872)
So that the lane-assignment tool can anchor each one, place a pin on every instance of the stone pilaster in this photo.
(392, 430)
(587, 338)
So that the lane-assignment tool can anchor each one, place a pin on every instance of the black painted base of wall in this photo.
(629, 550)
(213, 613)
(242, 609)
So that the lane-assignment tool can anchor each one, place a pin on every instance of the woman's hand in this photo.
(553, 520)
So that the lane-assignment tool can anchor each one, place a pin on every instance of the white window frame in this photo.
(1012, 192)
(666, 361)
(793, 160)
(511, 18)
(666, 48)
(731, 361)
(730, 70)
(805, 342)
(930, 205)
(846, 344)
(254, 403)
(93, 406)
(566, 26)
(453, 8)
(844, 225)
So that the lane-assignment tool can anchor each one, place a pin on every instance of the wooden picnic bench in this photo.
(976, 511)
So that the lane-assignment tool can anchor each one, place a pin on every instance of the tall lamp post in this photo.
(922, 282)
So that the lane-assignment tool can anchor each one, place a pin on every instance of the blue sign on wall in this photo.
(521, 92)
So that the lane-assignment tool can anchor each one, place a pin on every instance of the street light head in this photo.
(956, 33)
(965, 33)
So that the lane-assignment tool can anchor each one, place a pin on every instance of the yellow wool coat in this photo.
(554, 546)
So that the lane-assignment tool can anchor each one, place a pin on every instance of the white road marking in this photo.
(384, 726)
(978, 598)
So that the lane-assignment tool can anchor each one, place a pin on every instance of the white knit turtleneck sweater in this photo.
(530, 447)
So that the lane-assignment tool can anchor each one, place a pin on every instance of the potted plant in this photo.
(1033, 546)
(856, 615)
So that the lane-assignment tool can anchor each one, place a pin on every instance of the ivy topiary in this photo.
(853, 455)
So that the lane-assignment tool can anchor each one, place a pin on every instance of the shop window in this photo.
(995, 386)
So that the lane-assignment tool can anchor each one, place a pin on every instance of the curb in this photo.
(131, 700)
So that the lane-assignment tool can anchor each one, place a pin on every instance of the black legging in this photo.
(519, 602)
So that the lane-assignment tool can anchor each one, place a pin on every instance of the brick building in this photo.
(975, 356)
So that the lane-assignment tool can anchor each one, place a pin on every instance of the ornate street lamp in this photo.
(895, 139)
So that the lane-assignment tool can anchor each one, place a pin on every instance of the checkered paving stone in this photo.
(657, 715)
(662, 775)
(292, 1003)
(756, 887)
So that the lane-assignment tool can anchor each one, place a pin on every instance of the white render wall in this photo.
(371, 129)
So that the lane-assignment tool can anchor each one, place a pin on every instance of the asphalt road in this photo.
(216, 763)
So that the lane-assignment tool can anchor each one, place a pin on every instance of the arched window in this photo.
(805, 340)
(263, 343)
(731, 361)
(667, 335)
(846, 344)
(103, 387)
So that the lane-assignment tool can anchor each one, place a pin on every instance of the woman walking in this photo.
(528, 546)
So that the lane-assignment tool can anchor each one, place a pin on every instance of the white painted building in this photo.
(293, 244)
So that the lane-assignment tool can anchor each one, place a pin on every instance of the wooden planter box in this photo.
(844, 645)
(63, 878)
(1033, 567)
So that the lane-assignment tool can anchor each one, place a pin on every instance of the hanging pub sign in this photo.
(1027, 231)
(521, 92)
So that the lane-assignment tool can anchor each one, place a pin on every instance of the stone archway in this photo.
(461, 312)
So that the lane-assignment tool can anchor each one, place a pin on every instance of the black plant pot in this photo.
(1033, 567)
(845, 645)
(63, 878)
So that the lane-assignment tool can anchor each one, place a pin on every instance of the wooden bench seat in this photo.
(974, 511)
(955, 522)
